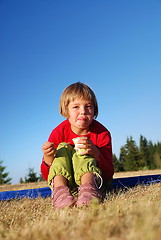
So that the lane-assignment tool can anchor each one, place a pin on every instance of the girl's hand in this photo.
(49, 152)
(91, 149)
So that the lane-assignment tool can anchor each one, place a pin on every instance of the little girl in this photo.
(67, 167)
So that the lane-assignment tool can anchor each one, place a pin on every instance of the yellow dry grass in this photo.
(126, 215)
(21, 186)
(137, 173)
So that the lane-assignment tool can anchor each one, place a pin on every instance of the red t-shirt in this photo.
(98, 134)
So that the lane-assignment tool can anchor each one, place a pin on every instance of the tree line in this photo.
(146, 156)
(31, 176)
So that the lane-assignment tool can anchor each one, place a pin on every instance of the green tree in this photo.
(117, 164)
(157, 155)
(40, 178)
(31, 176)
(129, 155)
(21, 180)
(151, 155)
(4, 179)
(144, 153)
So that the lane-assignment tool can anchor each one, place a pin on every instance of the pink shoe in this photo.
(88, 193)
(62, 197)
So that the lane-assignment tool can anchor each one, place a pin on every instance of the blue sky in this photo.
(113, 46)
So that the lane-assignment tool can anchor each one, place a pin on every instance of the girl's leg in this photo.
(85, 168)
(61, 169)
(84, 171)
(87, 178)
(60, 177)
(59, 180)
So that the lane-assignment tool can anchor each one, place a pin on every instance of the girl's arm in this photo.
(44, 168)
(105, 162)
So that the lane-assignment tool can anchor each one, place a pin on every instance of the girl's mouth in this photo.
(82, 119)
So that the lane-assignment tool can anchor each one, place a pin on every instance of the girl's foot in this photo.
(62, 197)
(88, 193)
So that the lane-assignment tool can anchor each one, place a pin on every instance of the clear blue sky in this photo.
(45, 45)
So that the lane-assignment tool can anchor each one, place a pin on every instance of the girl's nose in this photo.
(82, 110)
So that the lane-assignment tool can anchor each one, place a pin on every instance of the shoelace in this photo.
(98, 176)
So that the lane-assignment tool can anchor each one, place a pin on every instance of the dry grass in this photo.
(134, 214)
(137, 173)
(21, 186)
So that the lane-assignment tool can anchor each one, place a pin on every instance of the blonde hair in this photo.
(73, 91)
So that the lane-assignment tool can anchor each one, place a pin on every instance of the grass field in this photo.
(134, 214)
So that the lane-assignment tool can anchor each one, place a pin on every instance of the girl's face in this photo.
(81, 113)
